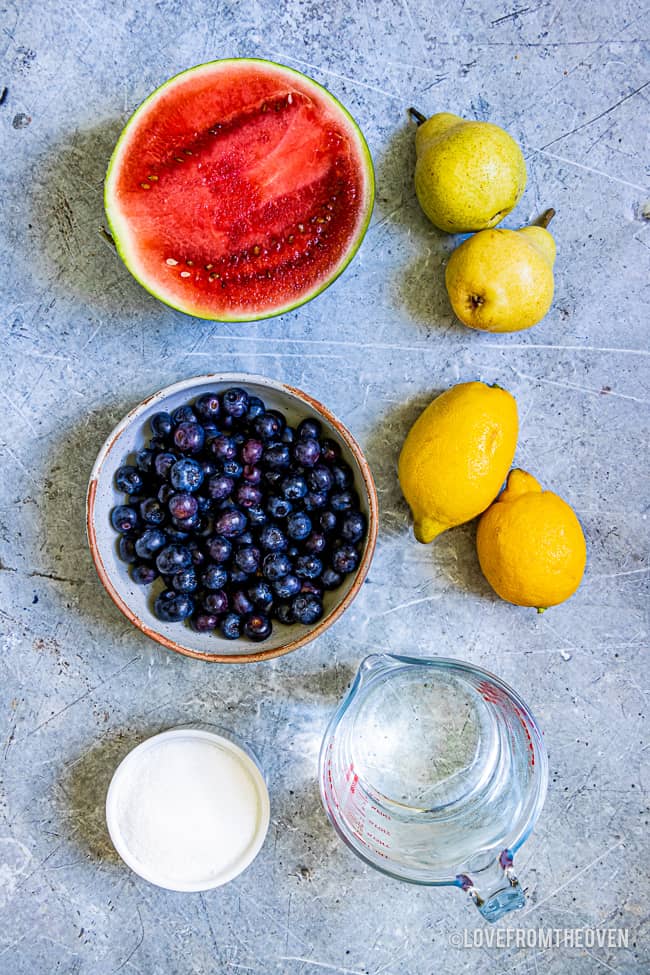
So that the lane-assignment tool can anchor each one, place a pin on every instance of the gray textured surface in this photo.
(83, 342)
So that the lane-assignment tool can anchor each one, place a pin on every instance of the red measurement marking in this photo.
(524, 725)
(380, 812)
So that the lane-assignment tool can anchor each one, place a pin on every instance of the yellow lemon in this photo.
(502, 280)
(456, 456)
(530, 545)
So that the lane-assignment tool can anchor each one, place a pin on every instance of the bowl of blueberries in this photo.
(231, 517)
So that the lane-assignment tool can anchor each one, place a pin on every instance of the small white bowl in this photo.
(136, 602)
(126, 786)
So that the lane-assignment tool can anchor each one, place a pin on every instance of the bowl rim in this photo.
(342, 432)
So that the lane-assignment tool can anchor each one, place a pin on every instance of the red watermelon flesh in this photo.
(239, 190)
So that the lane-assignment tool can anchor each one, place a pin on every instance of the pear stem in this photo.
(417, 117)
(546, 217)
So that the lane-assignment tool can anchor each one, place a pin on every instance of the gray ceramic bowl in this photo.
(136, 601)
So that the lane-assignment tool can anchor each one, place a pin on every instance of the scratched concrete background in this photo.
(83, 342)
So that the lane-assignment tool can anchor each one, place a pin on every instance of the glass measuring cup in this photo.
(434, 772)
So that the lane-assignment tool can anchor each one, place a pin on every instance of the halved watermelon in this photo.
(239, 190)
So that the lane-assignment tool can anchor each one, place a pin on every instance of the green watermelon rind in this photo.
(355, 245)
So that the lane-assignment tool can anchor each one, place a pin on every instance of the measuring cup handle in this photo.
(495, 889)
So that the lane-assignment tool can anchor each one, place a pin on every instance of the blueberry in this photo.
(308, 566)
(246, 538)
(306, 608)
(276, 565)
(189, 437)
(284, 613)
(345, 559)
(143, 574)
(342, 474)
(235, 401)
(185, 580)
(239, 578)
(273, 539)
(257, 515)
(152, 512)
(257, 627)
(306, 452)
(251, 474)
(240, 602)
(315, 543)
(171, 607)
(204, 622)
(223, 447)
(129, 479)
(252, 451)
(172, 558)
(247, 559)
(309, 429)
(126, 548)
(164, 463)
(268, 425)
(231, 523)
(232, 468)
(186, 475)
(298, 525)
(313, 587)
(343, 501)
(220, 487)
(183, 414)
(207, 406)
(214, 577)
(124, 518)
(329, 451)
(150, 542)
(294, 486)
(247, 495)
(161, 425)
(293, 552)
(145, 459)
(256, 408)
(176, 534)
(277, 456)
(288, 435)
(211, 431)
(219, 548)
(182, 505)
(320, 479)
(198, 555)
(327, 521)
(287, 586)
(330, 579)
(278, 507)
(215, 602)
(261, 595)
(353, 526)
(231, 626)
(205, 504)
(190, 524)
(165, 492)
(315, 500)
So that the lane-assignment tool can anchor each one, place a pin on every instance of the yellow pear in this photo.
(502, 280)
(468, 175)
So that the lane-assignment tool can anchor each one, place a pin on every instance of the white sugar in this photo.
(188, 810)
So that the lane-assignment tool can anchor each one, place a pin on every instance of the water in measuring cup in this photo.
(430, 770)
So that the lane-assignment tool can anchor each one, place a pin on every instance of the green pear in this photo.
(468, 175)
